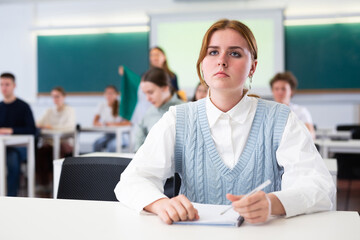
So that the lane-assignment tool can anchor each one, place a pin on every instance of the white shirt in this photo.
(306, 183)
(302, 113)
(105, 113)
(59, 120)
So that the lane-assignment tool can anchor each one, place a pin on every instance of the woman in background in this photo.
(59, 117)
(283, 86)
(156, 86)
(200, 92)
(107, 114)
(158, 59)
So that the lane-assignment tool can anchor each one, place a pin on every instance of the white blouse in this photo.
(59, 120)
(105, 113)
(306, 183)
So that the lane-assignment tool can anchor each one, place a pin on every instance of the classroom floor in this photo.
(348, 194)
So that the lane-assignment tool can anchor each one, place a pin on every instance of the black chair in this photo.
(172, 186)
(91, 178)
(347, 127)
(349, 163)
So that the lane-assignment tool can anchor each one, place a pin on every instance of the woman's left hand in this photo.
(255, 208)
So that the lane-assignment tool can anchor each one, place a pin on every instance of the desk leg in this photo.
(31, 167)
(76, 150)
(325, 151)
(118, 140)
(56, 146)
(2, 168)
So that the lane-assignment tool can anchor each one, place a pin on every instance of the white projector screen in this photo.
(180, 35)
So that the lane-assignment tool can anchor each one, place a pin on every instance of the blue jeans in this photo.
(108, 142)
(102, 143)
(14, 157)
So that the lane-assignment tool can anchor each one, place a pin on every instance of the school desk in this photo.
(35, 218)
(56, 136)
(336, 146)
(117, 130)
(18, 141)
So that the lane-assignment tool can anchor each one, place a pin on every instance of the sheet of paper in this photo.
(210, 215)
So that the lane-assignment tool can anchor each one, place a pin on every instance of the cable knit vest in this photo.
(204, 176)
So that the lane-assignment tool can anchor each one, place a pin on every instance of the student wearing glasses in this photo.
(59, 117)
(227, 144)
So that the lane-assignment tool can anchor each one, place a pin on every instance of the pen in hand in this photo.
(257, 189)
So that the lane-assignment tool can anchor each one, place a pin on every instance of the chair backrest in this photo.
(347, 127)
(355, 130)
(355, 133)
(91, 178)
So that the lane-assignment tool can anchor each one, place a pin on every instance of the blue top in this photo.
(204, 176)
(18, 116)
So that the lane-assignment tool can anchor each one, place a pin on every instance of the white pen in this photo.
(261, 186)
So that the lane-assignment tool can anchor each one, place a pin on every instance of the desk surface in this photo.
(57, 132)
(31, 218)
(104, 128)
(338, 143)
(330, 133)
(15, 139)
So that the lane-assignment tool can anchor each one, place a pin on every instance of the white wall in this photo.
(18, 45)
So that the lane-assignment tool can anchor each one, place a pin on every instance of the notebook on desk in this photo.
(210, 215)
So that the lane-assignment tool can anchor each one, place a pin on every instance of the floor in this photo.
(348, 195)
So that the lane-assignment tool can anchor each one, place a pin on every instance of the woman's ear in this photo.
(165, 89)
(253, 68)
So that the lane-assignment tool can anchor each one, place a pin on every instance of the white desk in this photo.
(327, 146)
(332, 134)
(57, 164)
(118, 131)
(17, 141)
(56, 136)
(32, 218)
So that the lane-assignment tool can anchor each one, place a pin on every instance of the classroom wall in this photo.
(18, 44)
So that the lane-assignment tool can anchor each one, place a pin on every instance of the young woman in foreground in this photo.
(227, 144)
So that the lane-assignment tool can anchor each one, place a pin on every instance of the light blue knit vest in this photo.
(204, 176)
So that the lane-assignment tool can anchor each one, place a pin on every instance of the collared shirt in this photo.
(301, 112)
(306, 183)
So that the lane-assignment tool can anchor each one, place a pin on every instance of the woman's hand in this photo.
(176, 209)
(121, 70)
(255, 208)
(97, 124)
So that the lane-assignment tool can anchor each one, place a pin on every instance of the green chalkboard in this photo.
(324, 57)
(88, 63)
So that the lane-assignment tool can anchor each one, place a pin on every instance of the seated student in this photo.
(227, 144)
(283, 86)
(200, 92)
(156, 86)
(107, 114)
(15, 118)
(59, 117)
